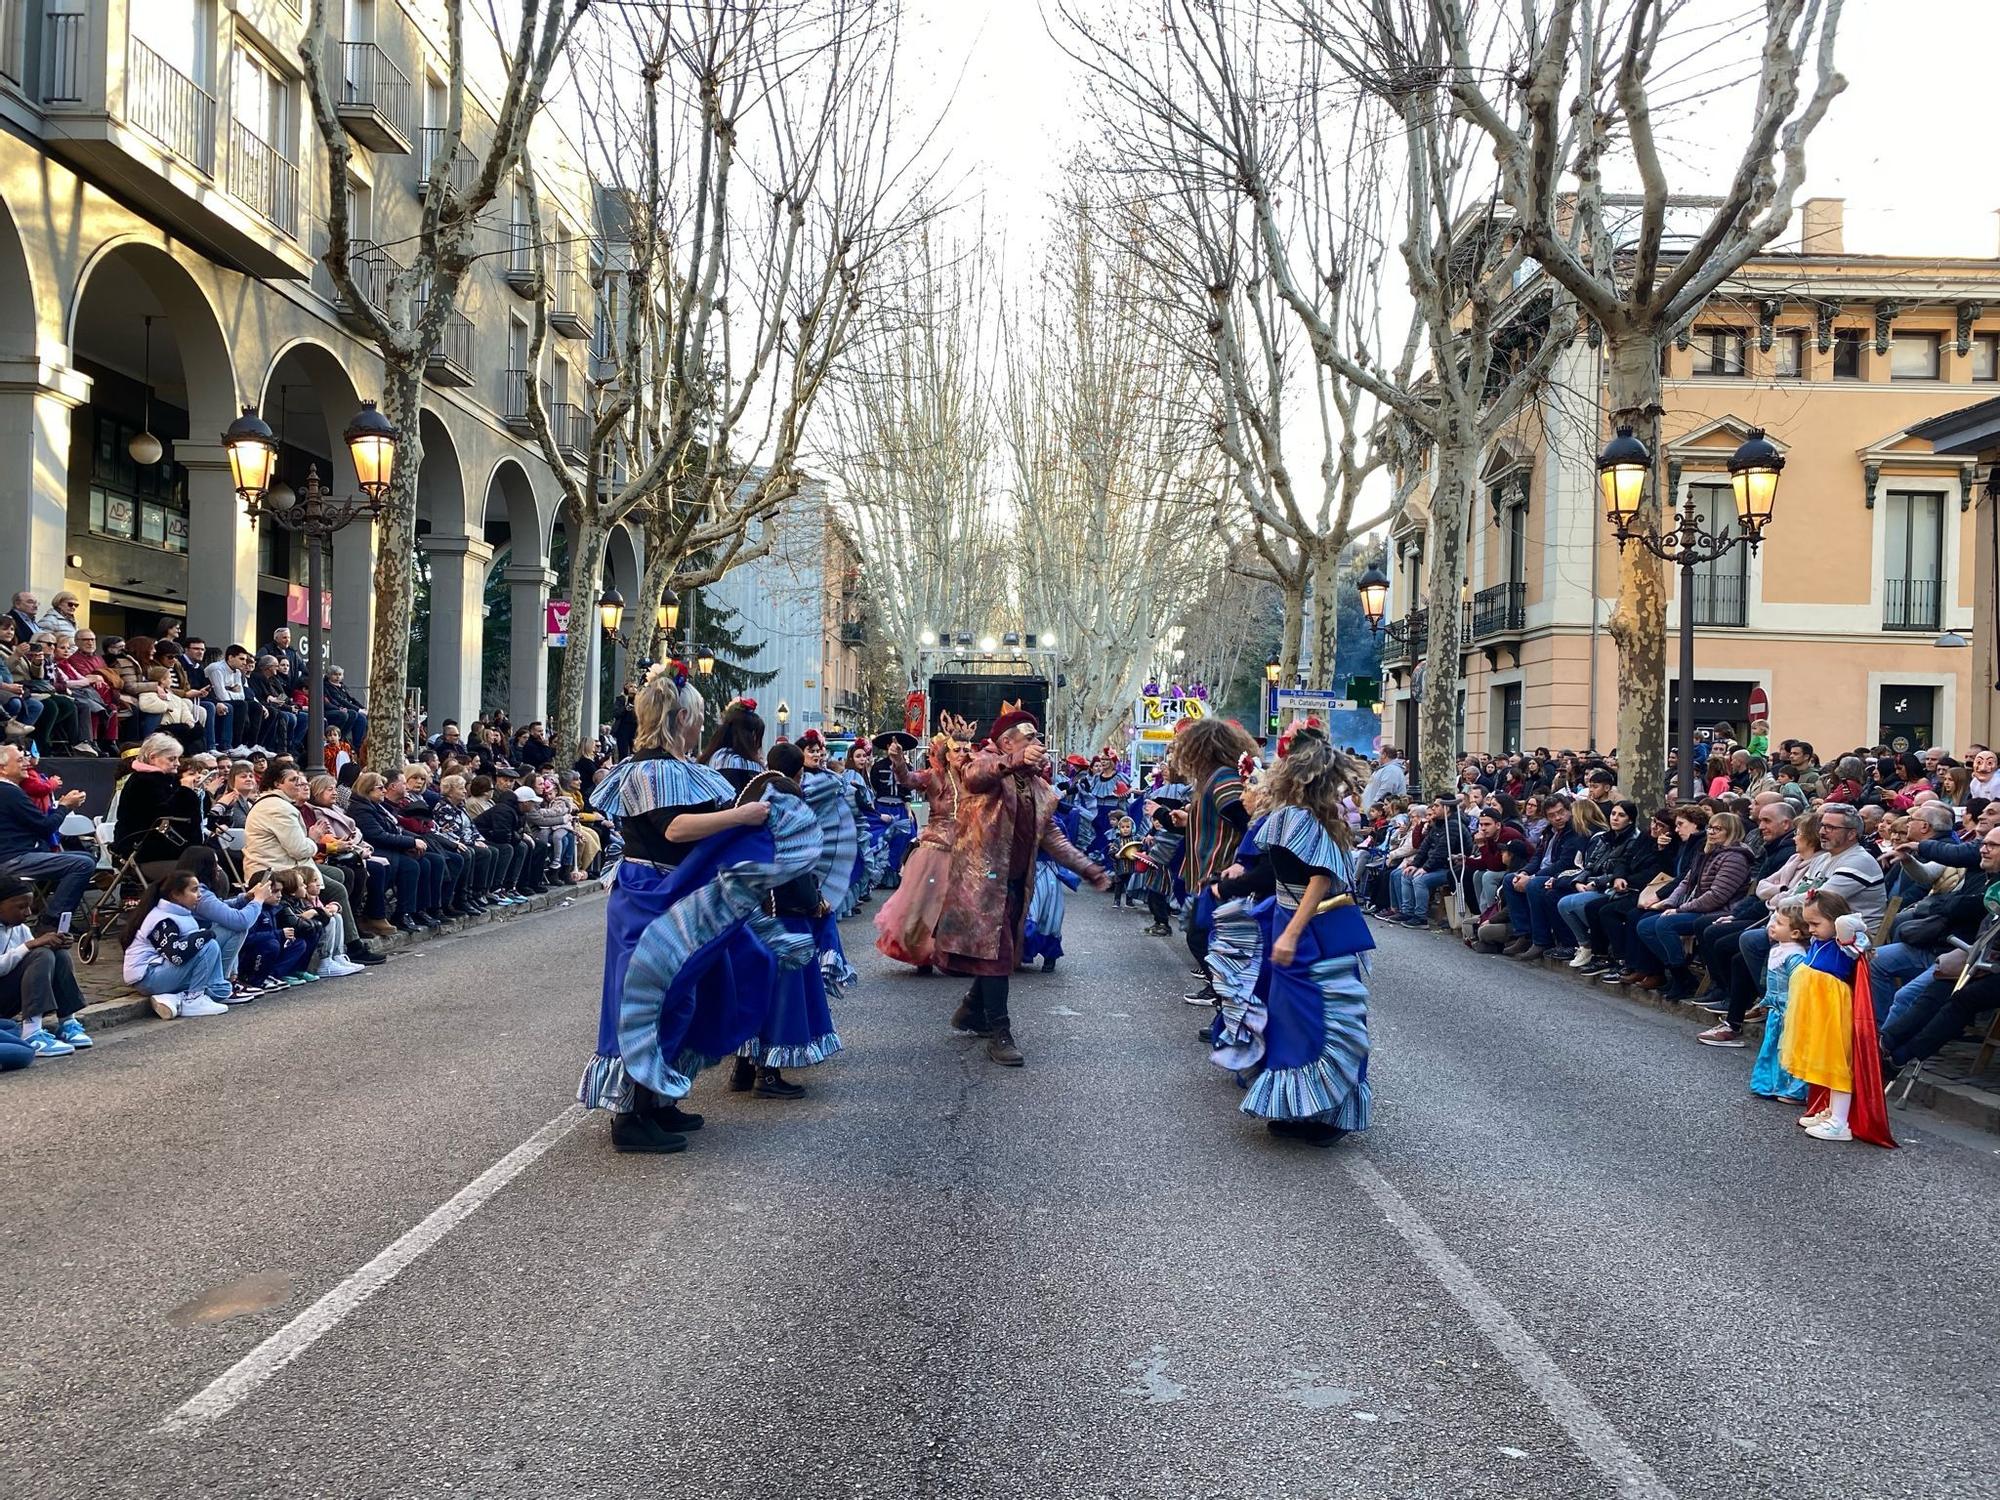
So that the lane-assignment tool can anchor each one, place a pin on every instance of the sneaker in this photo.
(1612, 975)
(1806, 1122)
(1716, 1006)
(1829, 1129)
(201, 1005)
(47, 1044)
(1584, 959)
(338, 968)
(241, 994)
(1204, 996)
(72, 1032)
(1724, 1035)
(293, 980)
(168, 1006)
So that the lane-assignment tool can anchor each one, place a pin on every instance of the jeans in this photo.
(1532, 912)
(1936, 1016)
(1755, 949)
(203, 972)
(70, 872)
(41, 982)
(1892, 966)
(1574, 909)
(1660, 935)
(1415, 895)
(21, 706)
(1918, 996)
(352, 722)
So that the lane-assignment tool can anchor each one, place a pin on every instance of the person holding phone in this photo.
(36, 979)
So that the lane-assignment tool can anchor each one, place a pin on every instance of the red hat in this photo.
(1075, 762)
(811, 737)
(1012, 717)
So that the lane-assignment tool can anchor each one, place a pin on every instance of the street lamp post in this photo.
(1373, 587)
(1273, 670)
(1622, 470)
(371, 440)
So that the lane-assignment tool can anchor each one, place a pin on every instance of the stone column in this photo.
(528, 657)
(458, 626)
(594, 632)
(37, 398)
(222, 550)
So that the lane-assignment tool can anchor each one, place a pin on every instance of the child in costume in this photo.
(1122, 845)
(1829, 1034)
(1789, 936)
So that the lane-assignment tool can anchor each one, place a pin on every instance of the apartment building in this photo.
(162, 216)
(1866, 568)
(798, 603)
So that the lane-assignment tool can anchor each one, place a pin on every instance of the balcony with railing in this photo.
(450, 363)
(134, 122)
(169, 106)
(572, 314)
(1721, 599)
(14, 42)
(514, 402)
(520, 264)
(571, 428)
(373, 270)
(261, 178)
(1499, 612)
(432, 141)
(1404, 640)
(853, 632)
(1912, 604)
(374, 98)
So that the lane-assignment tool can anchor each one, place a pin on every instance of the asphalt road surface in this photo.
(354, 1241)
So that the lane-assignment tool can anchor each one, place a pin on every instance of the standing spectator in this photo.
(291, 664)
(273, 694)
(22, 613)
(36, 977)
(61, 617)
(1390, 779)
(28, 847)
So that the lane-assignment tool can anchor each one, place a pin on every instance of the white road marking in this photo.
(241, 1380)
(1575, 1413)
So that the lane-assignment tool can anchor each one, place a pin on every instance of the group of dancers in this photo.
(722, 930)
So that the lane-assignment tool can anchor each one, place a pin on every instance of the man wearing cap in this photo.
(892, 804)
(1006, 813)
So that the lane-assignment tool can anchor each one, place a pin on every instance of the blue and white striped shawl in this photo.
(641, 785)
(827, 795)
(1301, 835)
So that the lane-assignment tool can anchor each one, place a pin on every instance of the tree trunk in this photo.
(656, 644)
(1437, 712)
(586, 566)
(395, 572)
(1326, 614)
(1639, 624)
(1292, 635)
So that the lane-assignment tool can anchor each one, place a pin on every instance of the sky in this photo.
(1907, 145)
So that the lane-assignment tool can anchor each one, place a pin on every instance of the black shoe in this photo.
(641, 1134)
(774, 1085)
(1204, 996)
(360, 953)
(1048, 963)
(408, 923)
(1306, 1132)
(1000, 1047)
(968, 1022)
(742, 1076)
(925, 969)
(1158, 929)
(670, 1117)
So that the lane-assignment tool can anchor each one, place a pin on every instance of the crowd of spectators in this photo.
(1539, 856)
(237, 866)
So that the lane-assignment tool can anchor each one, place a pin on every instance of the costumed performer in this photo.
(678, 922)
(797, 1030)
(1159, 857)
(1829, 1038)
(892, 805)
(1209, 755)
(1789, 935)
(1048, 896)
(1310, 1054)
(831, 799)
(907, 923)
(1005, 813)
(736, 745)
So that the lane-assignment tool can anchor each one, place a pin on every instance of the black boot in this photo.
(641, 1134)
(360, 953)
(772, 1084)
(742, 1075)
(670, 1117)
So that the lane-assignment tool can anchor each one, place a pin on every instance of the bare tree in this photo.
(405, 312)
(768, 192)
(1110, 465)
(911, 439)
(1580, 91)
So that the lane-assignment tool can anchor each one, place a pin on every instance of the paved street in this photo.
(1572, 1248)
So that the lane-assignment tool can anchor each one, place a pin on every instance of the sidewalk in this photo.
(112, 1002)
(1943, 1085)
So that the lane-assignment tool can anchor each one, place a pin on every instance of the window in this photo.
(1913, 562)
(1507, 718)
(1722, 584)
(1906, 719)
(1914, 356)
(1847, 354)
(1788, 354)
(1986, 356)
(1718, 351)
(264, 101)
(133, 502)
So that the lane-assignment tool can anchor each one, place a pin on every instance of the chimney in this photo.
(1820, 225)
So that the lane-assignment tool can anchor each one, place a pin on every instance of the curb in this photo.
(126, 1005)
(1965, 1103)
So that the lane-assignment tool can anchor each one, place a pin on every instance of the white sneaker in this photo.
(168, 1006)
(1829, 1129)
(201, 1005)
(1806, 1122)
(1582, 958)
(338, 968)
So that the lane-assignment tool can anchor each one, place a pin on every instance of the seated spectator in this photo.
(344, 710)
(549, 818)
(276, 952)
(417, 884)
(91, 687)
(532, 750)
(230, 806)
(410, 800)
(36, 979)
(280, 835)
(1533, 894)
(1429, 868)
(1601, 872)
(157, 815)
(1648, 865)
(591, 825)
(228, 917)
(177, 715)
(22, 614)
(1934, 1009)
(131, 659)
(60, 725)
(486, 865)
(29, 846)
(169, 955)
(272, 693)
(1717, 947)
(500, 822)
(308, 910)
(1720, 874)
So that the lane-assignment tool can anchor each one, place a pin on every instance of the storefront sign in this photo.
(295, 606)
(555, 623)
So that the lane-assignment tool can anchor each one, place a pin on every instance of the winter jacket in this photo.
(275, 837)
(24, 827)
(1559, 853)
(1444, 837)
(165, 927)
(1716, 879)
(145, 799)
(1636, 860)
(501, 823)
(378, 825)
